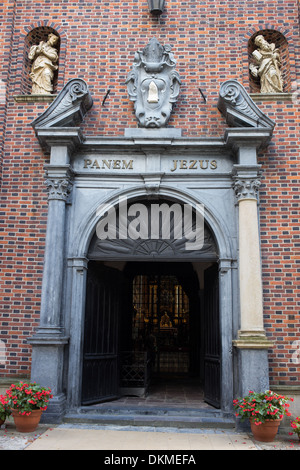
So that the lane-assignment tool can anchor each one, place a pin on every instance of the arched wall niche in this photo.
(31, 35)
(281, 43)
(34, 38)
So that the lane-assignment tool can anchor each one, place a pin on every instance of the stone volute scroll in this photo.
(266, 66)
(69, 107)
(153, 85)
(45, 59)
(67, 111)
(239, 109)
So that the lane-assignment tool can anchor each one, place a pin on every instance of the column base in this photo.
(253, 367)
(48, 359)
(56, 410)
(252, 339)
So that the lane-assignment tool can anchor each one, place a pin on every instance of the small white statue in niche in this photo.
(45, 58)
(268, 66)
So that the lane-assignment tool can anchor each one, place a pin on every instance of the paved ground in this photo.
(114, 438)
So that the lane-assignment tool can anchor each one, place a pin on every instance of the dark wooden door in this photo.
(100, 375)
(212, 347)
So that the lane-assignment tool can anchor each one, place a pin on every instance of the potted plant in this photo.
(296, 427)
(27, 402)
(4, 408)
(265, 411)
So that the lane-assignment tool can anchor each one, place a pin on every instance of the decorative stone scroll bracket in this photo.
(61, 120)
(238, 108)
(69, 107)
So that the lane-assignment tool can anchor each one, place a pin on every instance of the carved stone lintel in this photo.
(246, 188)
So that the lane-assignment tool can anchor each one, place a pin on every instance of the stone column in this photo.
(49, 341)
(251, 340)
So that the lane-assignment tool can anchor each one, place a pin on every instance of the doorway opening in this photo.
(151, 327)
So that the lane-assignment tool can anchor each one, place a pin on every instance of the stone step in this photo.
(180, 418)
(152, 410)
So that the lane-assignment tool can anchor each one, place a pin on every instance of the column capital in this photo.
(59, 182)
(225, 265)
(79, 263)
(59, 189)
(246, 181)
(246, 188)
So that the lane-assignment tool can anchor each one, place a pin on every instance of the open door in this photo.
(100, 374)
(212, 347)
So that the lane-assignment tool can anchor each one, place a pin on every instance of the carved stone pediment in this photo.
(153, 85)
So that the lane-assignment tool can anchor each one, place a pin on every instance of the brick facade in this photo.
(211, 42)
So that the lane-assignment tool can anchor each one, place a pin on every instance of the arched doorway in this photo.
(151, 314)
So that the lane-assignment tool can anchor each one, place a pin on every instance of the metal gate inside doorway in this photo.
(147, 324)
(160, 323)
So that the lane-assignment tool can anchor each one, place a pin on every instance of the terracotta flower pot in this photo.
(27, 423)
(265, 432)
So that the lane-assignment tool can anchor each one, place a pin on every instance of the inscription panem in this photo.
(105, 164)
(108, 164)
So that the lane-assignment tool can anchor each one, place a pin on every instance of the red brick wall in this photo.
(98, 39)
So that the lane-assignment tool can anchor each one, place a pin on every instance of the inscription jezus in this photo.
(194, 165)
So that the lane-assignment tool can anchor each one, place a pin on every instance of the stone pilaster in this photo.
(57, 130)
(49, 341)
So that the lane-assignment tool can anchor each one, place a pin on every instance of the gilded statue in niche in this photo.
(268, 62)
(45, 58)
